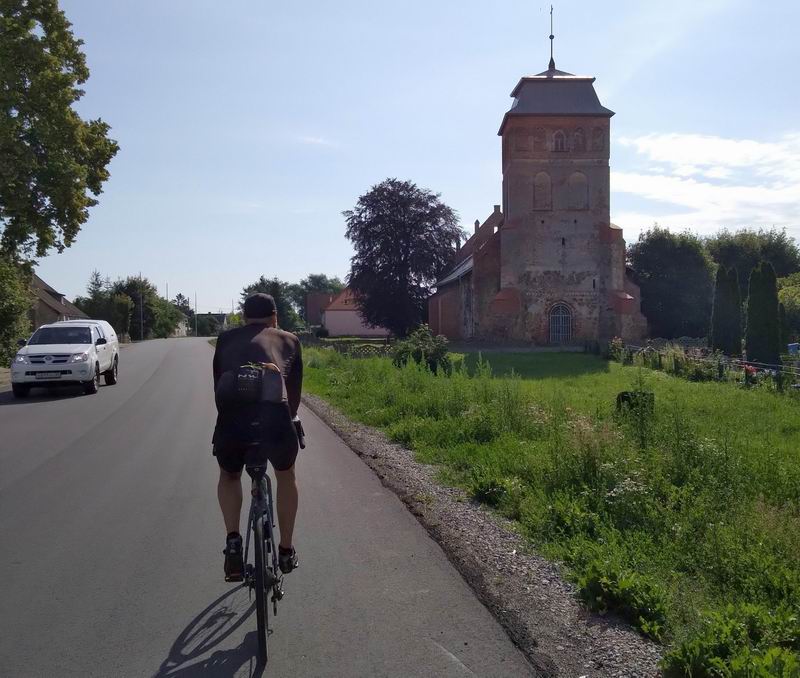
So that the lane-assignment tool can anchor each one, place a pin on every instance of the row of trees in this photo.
(676, 273)
(290, 298)
(132, 306)
(766, 326)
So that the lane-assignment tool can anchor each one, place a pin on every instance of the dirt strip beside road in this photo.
(525, 592)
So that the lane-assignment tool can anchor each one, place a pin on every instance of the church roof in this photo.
(459, 271)
(554, 92)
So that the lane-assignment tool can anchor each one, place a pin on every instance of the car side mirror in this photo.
(21, 343)
(100, 342)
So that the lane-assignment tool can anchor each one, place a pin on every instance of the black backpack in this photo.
(243, 396)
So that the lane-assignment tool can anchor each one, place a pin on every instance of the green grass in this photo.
(685, 522)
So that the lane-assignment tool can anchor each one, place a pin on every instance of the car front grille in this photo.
(56, 359)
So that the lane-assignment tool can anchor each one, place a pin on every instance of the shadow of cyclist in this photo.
(207, 630)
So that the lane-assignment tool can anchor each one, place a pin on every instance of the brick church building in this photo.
(549, 267)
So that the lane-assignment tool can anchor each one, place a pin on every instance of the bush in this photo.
(424, 349)
(322, 333)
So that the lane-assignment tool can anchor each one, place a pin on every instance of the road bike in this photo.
(263, 574)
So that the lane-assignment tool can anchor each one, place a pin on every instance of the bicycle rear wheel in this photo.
(261, 586)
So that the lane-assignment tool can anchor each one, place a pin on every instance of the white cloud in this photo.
(706, 182)
(317, 141)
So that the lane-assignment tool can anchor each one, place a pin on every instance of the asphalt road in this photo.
(111, 538)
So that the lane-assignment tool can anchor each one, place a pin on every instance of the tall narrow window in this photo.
(559, 142)
(539, 138)
(560, 324)
(542, 192)
(598, 139)
(579, 140)
(578, 191)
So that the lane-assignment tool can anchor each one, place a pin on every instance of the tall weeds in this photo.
(679, 518)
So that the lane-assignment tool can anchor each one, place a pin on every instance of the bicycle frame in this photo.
(262, 508)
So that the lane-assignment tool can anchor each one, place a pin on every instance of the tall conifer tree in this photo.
(719, 338)
(735, 309)
(763, 332)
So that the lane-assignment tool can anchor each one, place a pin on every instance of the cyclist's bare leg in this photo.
(229, 493)
(287, 505)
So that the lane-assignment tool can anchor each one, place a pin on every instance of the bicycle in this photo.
(264, 574)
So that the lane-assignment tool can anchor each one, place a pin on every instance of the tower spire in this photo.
(552, 65)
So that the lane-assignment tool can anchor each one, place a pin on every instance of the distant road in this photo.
(110, 548)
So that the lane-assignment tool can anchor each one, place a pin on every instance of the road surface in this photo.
(110, 548)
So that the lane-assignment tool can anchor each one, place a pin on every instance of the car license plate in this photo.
(48, 375)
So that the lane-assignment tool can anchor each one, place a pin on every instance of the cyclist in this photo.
(258, 341)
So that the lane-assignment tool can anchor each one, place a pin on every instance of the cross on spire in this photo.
(552, 65)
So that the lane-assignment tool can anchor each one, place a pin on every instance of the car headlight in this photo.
(22, 359)
(79, 358)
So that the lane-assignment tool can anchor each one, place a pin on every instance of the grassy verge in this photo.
(685, 521)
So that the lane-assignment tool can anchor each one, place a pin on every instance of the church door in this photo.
(560, 324)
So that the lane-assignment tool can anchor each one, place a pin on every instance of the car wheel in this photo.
(113, 374)
(20, 390)
(93, 386)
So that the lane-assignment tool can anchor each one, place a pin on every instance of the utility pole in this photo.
(141, 308)
(167, 291)
(195, 314)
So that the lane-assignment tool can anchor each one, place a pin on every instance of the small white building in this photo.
(342, 318)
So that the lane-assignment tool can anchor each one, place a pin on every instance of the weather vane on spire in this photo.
(552, 65)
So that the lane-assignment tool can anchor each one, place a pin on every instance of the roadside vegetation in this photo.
(682, 519)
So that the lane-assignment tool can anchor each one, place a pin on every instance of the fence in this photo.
(749, 371)
(355, 348)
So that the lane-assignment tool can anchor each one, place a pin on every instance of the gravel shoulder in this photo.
(524, 591)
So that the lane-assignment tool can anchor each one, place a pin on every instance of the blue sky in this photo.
(245, 127)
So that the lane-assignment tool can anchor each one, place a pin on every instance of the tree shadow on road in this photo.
(206, 631)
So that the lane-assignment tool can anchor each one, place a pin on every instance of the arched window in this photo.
(559, 141)
(579, 140)
(598, 139)
(542, 192)
(578, 192)
(560, 324)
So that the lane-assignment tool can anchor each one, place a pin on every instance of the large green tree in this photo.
(762, 339)
(280, 291)
(52, 162)
(676, 278)
(404, 238)
(15, 303)
(182, 303)
(144, 297)
(746, 248)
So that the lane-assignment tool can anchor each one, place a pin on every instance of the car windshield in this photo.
(61, 335)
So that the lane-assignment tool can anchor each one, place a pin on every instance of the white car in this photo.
(67, 352)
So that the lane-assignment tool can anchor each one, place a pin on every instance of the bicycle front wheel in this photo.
(261, 586)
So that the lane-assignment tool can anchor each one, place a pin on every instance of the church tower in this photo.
(562, 263)
(548, 268)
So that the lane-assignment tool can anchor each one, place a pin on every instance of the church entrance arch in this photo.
(560, 324)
